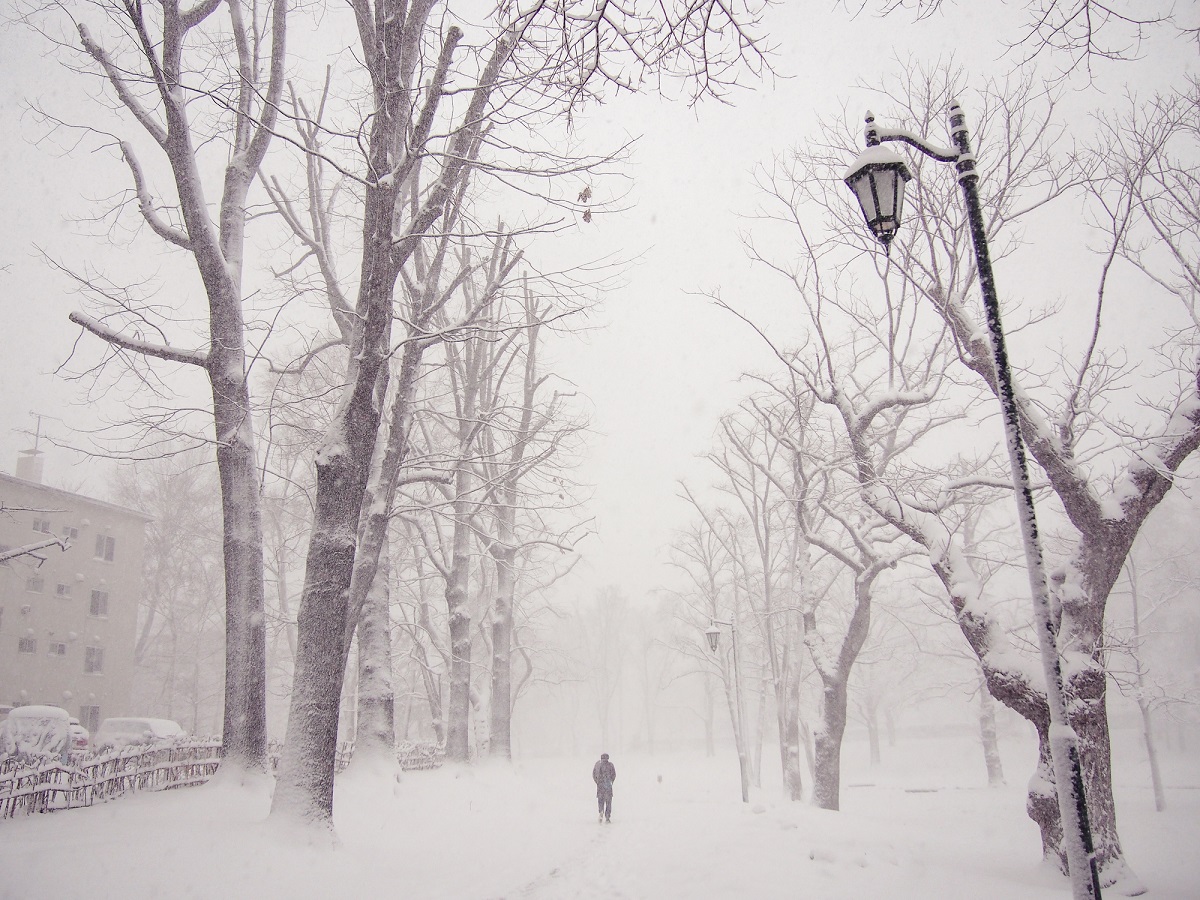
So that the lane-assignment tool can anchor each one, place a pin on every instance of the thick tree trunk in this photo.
(1083, 596)
(987, 735)
(244, 733)
(304, 786)
(375, 734)
(827, 774)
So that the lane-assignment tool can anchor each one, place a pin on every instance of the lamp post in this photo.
(878, 178)
(713, 633)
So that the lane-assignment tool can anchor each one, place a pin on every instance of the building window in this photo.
(99, 605)
(89, 717)
(93, 661)
(70, 532)
(42, 526)
(27, 645)
(35, 584)
(57, 648)
(62, 590)
(106, 547)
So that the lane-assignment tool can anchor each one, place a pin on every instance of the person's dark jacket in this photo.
(604, 773)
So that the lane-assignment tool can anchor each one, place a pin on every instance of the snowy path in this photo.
(529, 832)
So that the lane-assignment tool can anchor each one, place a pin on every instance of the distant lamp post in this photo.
(713, 633)
(878, 178)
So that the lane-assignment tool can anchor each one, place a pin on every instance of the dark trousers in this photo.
(605, 801)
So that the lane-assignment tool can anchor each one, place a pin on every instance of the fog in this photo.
(665, 456)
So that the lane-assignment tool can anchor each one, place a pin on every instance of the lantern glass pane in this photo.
(864, 191)
(885, 188)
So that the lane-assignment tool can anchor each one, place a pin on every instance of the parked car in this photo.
(36, 731)
(121, 732)
(80, 736)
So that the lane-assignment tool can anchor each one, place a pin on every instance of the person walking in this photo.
(604, 773)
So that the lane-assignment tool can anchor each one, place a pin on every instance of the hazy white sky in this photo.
(665, 366)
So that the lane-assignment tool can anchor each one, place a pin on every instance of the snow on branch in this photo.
(32, 549)
(163, 229)
(863, 418)
(137, 345)
(117, 78)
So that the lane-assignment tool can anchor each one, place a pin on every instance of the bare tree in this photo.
(748, 460)
(157, 65)
(1068, 436)
(1083, 32)
(710, 554)
(542, 58)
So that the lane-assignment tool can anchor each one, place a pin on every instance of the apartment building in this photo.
(68, 618)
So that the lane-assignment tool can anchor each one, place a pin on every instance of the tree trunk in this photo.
(873, 733)
(760, 729)
(787, 707)
(458, 712)
(430, 680)
(244, 734)
(827, 774)
(304, 786)
(808, 740)
(1143, 705)
(987, 735)
(502, 633)
(375, 733)
(1160, 802)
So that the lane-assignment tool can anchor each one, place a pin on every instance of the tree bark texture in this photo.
(827, 752)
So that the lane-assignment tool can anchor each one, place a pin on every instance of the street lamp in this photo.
(878, 178)
(713, 633)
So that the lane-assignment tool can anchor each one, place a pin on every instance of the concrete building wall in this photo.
(68, 625)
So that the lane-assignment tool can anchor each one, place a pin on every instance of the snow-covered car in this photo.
(36, 731)
(80, 736)
(119, 733)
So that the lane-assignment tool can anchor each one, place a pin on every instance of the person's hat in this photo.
(604, 756)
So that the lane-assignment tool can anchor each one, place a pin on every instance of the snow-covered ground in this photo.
(920, 825)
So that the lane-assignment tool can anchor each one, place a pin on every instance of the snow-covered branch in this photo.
(163, 229)
(32, 549)
(137, 345)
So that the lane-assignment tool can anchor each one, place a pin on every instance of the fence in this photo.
(49, 784)
(34, 786)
